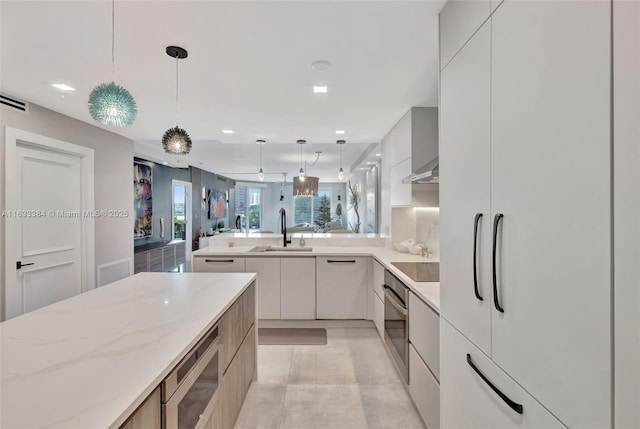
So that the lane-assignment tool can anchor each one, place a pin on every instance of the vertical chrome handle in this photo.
(476, 222)
(496, 301)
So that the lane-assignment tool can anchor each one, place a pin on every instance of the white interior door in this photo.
(46, 224)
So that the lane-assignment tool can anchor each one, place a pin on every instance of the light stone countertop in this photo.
(429, 292)
(91, 360)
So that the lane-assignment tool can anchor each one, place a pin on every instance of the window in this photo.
(249, 204)
(314, 211)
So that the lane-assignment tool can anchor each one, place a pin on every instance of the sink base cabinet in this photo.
(268, 293)
(298, 288)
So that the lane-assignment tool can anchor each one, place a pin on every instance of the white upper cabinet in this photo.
(525, 204)
(550, 178)
(465, 189)
(459, 19)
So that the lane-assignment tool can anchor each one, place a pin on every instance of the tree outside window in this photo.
(312, 211)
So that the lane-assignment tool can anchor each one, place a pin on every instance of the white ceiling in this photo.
(249, 70)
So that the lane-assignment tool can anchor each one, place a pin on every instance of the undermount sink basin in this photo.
(420, 271)
(280, 249)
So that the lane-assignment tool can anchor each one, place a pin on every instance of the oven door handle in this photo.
(392, 300)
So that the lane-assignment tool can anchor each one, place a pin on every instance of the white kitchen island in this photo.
(91, 360)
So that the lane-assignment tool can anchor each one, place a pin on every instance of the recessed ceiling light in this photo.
(62, 87)
(320, 89)
(362, 168)
(165, 163)
(321, 65)
(378, 154)
(371, 162)
(339, 131)
(228, 131)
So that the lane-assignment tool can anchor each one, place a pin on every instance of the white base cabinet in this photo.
(341, 287)
(424, 332)
(468, 401)
(298, 288)
(218, 264)
(268, 292)
(424, 390)
(378, 316)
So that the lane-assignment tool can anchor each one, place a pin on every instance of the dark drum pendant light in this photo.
(111, 104)
(176, 141)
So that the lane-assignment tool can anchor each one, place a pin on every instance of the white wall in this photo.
(113, 177)
(626, 81)
(419, 223)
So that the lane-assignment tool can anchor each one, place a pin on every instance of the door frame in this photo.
(12, 138)
(188, 233)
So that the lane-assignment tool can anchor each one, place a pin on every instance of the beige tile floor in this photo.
(350, 383)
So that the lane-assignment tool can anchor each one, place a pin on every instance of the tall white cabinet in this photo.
(525, 197)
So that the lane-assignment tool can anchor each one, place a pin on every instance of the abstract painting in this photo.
(142, 200)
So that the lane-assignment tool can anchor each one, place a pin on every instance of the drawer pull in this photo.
(514, 405)
(334, 261)
(224, 261)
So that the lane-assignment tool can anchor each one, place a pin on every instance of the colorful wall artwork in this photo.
(218, 204)
(142, 182)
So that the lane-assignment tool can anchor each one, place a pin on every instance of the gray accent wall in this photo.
(113, 177)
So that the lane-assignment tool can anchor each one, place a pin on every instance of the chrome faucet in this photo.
(283, 227)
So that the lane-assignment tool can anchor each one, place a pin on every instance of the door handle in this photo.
(476, 222)
(512, 404)
(19, 264)
(496, 300)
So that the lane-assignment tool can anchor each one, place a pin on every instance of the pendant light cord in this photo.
(113, 39)
(261, 155)
(177, 80)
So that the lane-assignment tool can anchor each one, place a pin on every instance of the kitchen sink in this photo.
(280, 249)
(420, 271)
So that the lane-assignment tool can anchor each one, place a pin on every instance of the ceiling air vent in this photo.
(14, 104)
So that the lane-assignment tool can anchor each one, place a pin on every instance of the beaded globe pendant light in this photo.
(176, 141)
(109, 103)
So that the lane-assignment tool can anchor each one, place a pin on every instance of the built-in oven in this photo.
(396, 322)
(191, 390)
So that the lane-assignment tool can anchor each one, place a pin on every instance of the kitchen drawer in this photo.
(424, 390)
(168, 258)
(378, 315)
(218, 264)
(424, 332)
(140, 262)
(378, 279)
(468, 401)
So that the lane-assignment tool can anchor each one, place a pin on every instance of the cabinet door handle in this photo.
(496, 300)
(514, 405)
(226, 261)
(333, 261)
(476, 222)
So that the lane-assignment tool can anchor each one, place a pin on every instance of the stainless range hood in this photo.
(429, 173)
